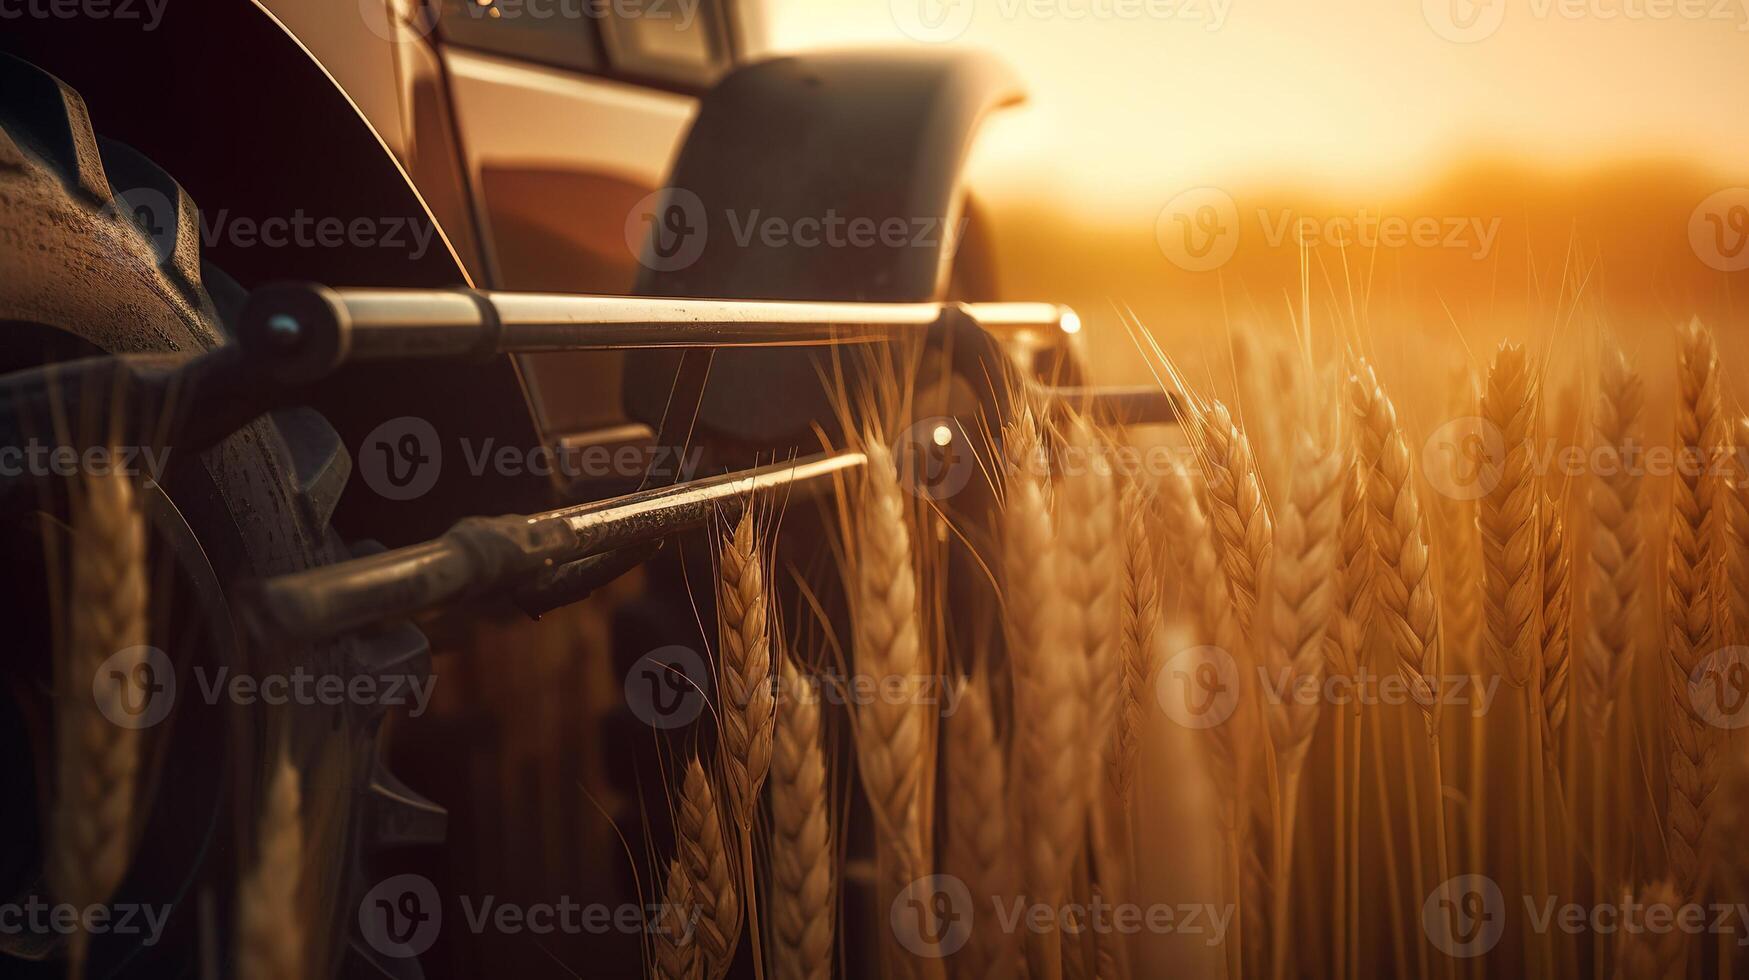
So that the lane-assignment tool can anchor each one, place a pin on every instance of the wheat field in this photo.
(1352, 675)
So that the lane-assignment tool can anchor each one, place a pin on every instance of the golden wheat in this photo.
(1140, 602)
(979, 832)
(676, 955)
(97, 758)
(1508, 519)
(1617, 543)
(746, 670)
(705, 857)
(801, 893)
(1237, 508)
(1692, 603)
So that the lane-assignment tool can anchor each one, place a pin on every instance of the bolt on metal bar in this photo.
(308, 330)
(481, 555)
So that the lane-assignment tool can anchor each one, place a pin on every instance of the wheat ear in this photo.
(1302, 596)
(1692, 603)
(705, 856)
(746, 670)
(270, 937)
(1508, 520)
(801, 893)
(1052, 792)
(1556, 628)
(98, 760)
(1641, 954)
(1617, 543)
(1090, 564)
(1236, 507)
(978, 829)
(1405, 603)
(676, 951)
(1140, 605)
(1355, 559)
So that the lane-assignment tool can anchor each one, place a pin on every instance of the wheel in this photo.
(102, 255)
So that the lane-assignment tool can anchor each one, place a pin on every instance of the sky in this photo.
(1131, 98)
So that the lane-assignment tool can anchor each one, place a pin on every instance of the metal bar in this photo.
(485, 554)
(309, 330)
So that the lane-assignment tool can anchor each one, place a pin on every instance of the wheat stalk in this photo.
(801, 893)
(1140, 606)
(1508, 520)
(977, 849)
(1052, 788)
(676, 949)
(1090, 564)
(98, 760)
(1353, 574)
(271, 944)
(1302, 595)
(1556, 627)
(1692, 603)
(1405, 603)
(705, 857)
(1236, 507)
(745, 667)
(1617, 548)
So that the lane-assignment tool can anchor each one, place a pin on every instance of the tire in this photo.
(101, 254)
